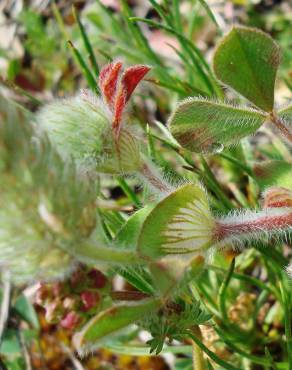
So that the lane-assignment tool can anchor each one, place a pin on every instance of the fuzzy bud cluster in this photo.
(91, 129)
(37, 193)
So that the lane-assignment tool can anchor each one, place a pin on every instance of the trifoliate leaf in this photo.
(179, 224)
(247, 60)
(110, 321)
(204, 126)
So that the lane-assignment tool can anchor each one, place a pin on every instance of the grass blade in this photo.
(86, 71)
(87, 43)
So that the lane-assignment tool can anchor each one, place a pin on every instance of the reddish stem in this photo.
(281, 126)
(266, 223)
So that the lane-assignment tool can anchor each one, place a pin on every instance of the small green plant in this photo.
(54, 160)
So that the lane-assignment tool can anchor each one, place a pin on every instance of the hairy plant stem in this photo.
(198, 359)
(4, 313)
(281, 126)
(96, 253)
(211, 354)
(249, 226)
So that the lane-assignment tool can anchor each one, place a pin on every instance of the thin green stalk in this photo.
(132, 350)
(235, 330)
(239, 164)
(248, 279)
(159, 10)
(192, 19)
(198, 358)
(87, 43)
(211, 354)
(256, 359)
(215, 185)
(210, 14)
(75, 53)
(87, 73)
(177, 16)
(287, 321)
(129, 192)
(60, 21)
(209, 302)
(151, 148)
(223, 290)
(195, 56)
(5, 305)
(19, 91)
(139, 36)
(97, 253)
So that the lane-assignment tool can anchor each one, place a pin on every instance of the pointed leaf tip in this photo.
(131, 78)
(247, 60)
(108, 82)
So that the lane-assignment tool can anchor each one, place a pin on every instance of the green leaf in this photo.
(110, 321)
(26, 311)
(210, 13)
(142, 350)
(247, 60)
(277, 173)
(10, 343)
(138, 277)
(286, 114)
(200, 125)
(84, 67)
(180, 224)
(87, 44)
(129, 233)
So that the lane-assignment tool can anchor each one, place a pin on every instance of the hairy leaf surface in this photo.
(247, 60)
(200, 125)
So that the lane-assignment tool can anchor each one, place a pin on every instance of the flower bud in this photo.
(89, 129)
(70, 320)
(80, 128)
(97, 279)
(89, 299)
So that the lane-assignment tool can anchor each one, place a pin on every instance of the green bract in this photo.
(80, 129)
(247, 60)
(204, 126)
(181, 224)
